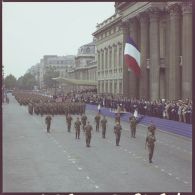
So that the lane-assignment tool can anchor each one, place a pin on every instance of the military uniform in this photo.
(117, 118)
(117, 131)
(97, 120)
(88, 129)
(133, 124)
(150, 139)
(103, 123)
(83, 120)
(69, 120)
(77, 125)
(48, 122)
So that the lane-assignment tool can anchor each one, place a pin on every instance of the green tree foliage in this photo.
(49, 74)
(27, 82)
(10, 82)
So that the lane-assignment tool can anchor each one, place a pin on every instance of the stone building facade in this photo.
(163, 33)
(85, 63)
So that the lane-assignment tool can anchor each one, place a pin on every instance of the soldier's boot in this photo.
(150, 158)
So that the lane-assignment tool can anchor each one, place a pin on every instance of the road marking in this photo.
(162, 170)
(130, 152)
(156, 166)
(125, 150)
(87, 177)
(96, 186)
(170, 174)
(186, 182)
(79, 168)
(177, 178)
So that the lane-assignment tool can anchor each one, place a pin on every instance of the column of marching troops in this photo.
(46, 106)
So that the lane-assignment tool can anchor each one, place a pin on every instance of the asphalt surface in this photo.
(35, 161)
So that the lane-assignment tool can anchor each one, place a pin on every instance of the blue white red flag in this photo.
(132, 56)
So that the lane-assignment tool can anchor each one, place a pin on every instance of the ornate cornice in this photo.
(187, 7)
(154, 13)
(174, 10)
(143, 17)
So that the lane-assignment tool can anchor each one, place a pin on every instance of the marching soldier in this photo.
(117, 118)
(152, 127)
(77, 125)
(48, 122)
(103, 123)
(68, 121)
(117, 131)
(83, 120)
(133, 124)
(97, 120)
(150, 139)
(88, 129)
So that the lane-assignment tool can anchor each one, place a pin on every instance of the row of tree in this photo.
(28, 81)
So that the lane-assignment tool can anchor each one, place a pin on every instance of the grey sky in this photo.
(31, 30)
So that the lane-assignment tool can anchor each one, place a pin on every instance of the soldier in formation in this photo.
(48, 122)
(117, 131)
(88, 129)
(103, 123)
(117, 118)
(77, 126)
(69, 122)
(97, 121)
(150, 140)
(133, 124)
(83, 120)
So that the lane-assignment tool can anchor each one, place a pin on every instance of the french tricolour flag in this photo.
(132, 56)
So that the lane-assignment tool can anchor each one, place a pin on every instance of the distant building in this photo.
(61, 64)
(163, 32)
(85, 64)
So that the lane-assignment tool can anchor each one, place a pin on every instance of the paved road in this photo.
(35, 161)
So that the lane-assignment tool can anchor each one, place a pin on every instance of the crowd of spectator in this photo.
(178, 110)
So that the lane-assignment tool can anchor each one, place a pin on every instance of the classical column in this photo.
(133, 80)
(154, 53)
(144, 49)
(125, 81)
(187, 50)
(175, 52)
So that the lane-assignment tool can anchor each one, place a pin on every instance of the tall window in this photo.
(115, 56)
(110, 57)
(102, 59)
(106, 59)
(120, 56)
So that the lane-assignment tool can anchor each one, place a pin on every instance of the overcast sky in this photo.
(31, 30)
